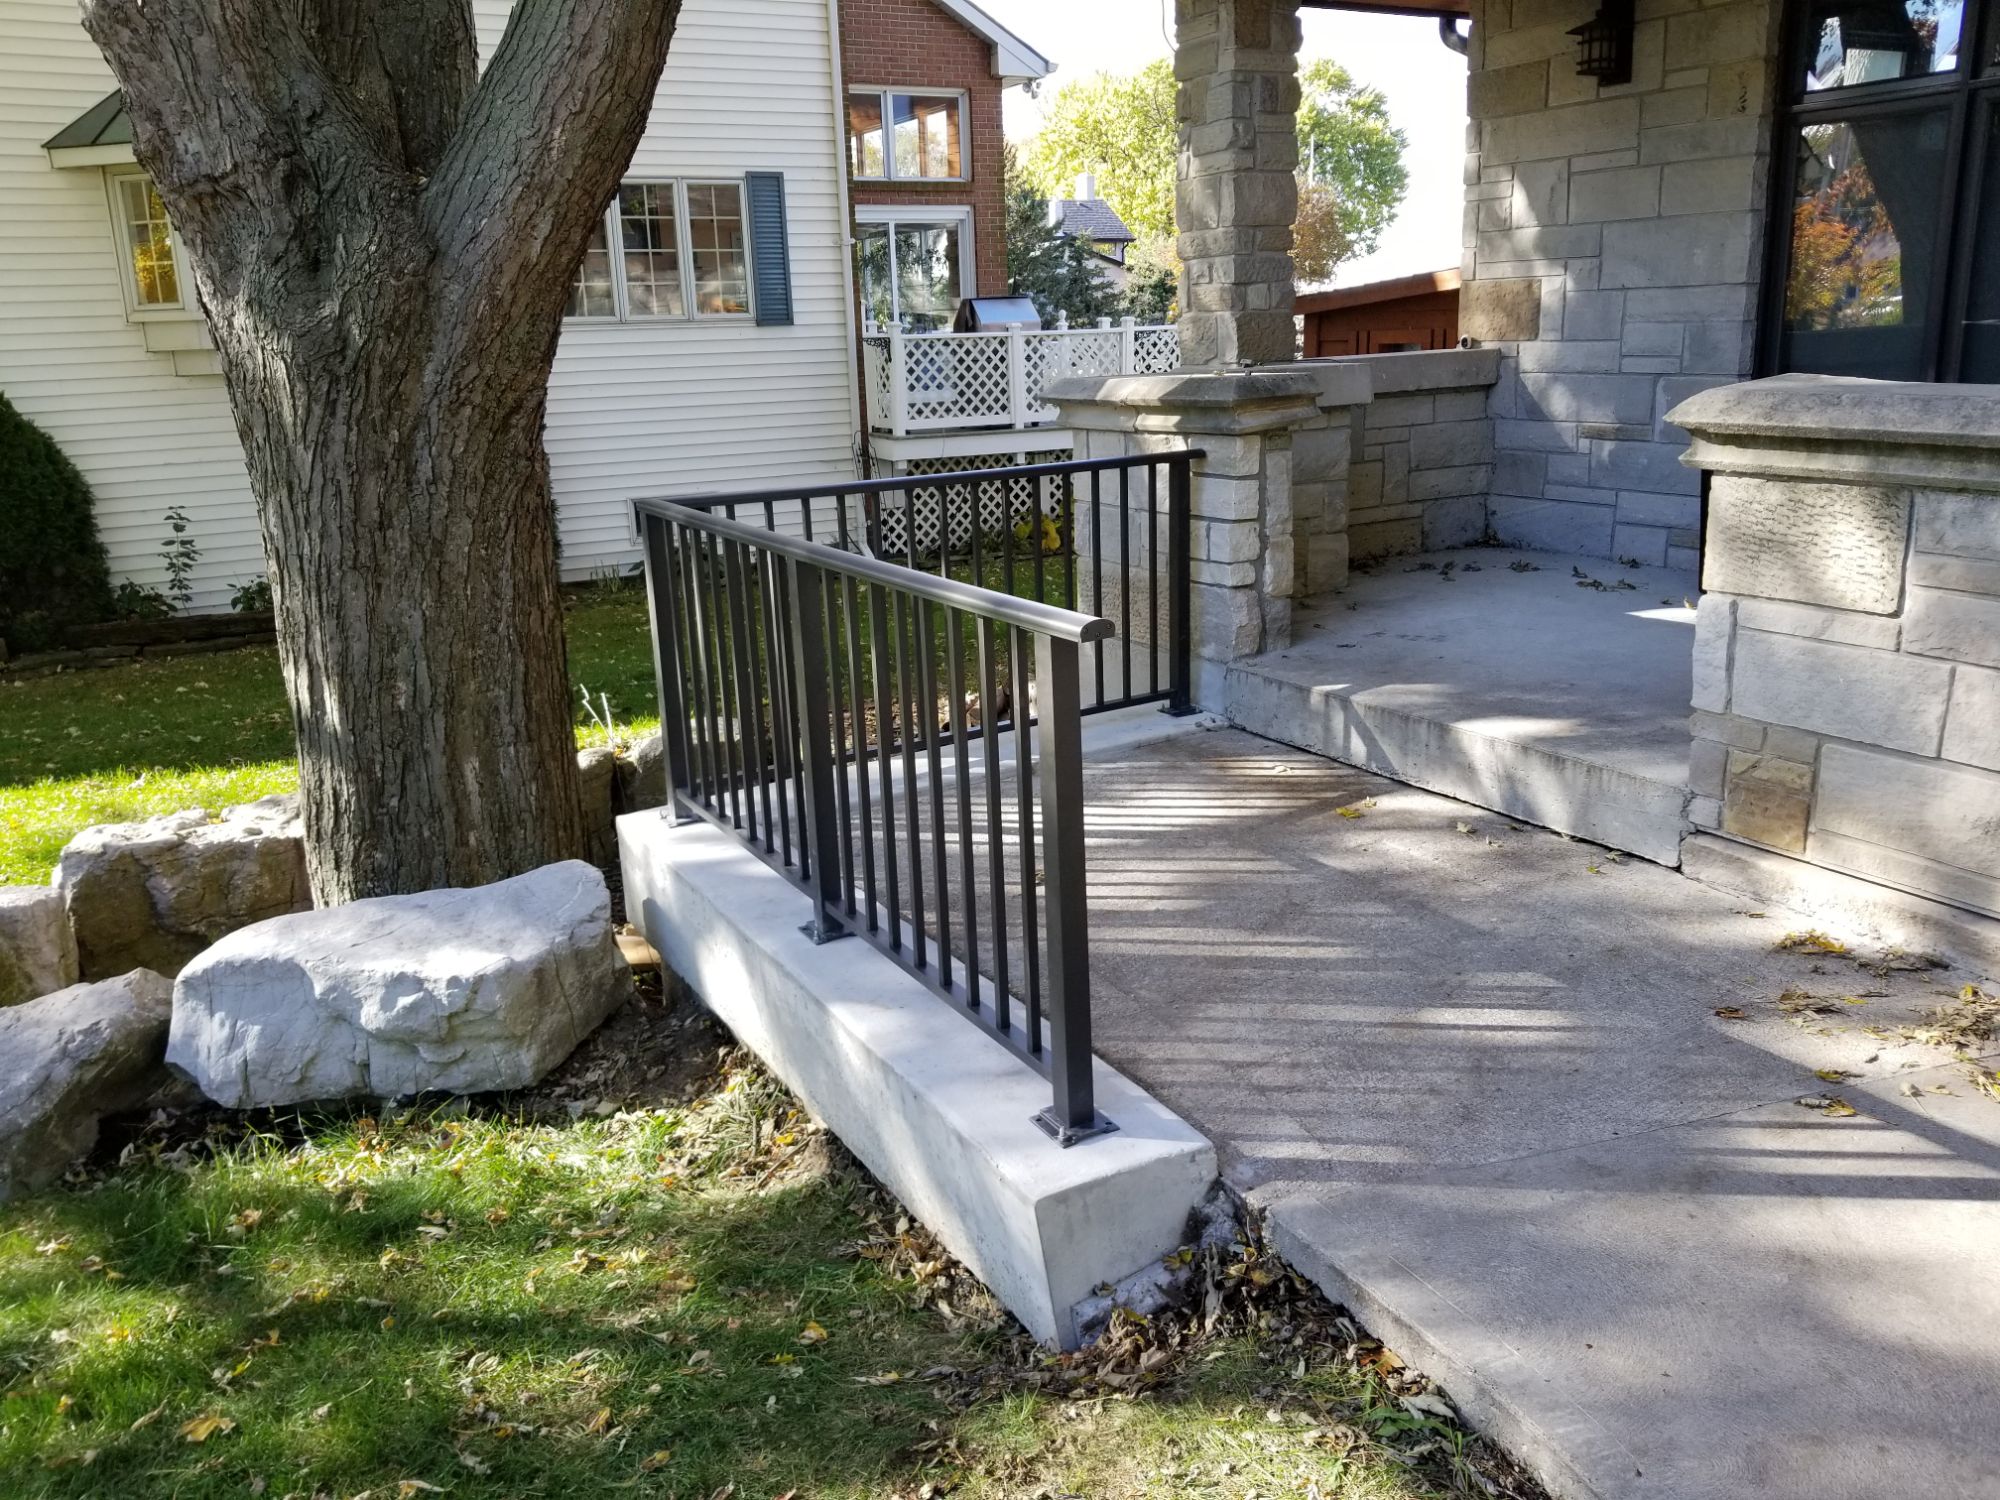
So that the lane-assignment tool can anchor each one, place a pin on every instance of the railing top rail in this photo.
(847, 487)
(1005, 609)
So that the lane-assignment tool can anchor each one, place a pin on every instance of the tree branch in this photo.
(409, 67)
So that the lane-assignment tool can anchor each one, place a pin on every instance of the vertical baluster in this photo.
(1180, 526)
(968, 885)
(878, 648)
(996, 846)
(1124, 585)
(1006, 535)
(906, 715)
(978, 578)
(752, 675)
(909, 526)
(696, 605)
(735, 752)
(1024, 791)
(1097, 569)
(784, 739)
(927, 686)
(1070, 560)
(661, 589)
(1153, 576)
(1035, 514)
(856, 694)
(806, 512)
(818, 839)
(1073, 1110)
(835, 616)
(713, 674)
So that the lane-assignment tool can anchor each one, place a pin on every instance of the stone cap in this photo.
(1220, 401)
(1421, 369)
(1848, 409)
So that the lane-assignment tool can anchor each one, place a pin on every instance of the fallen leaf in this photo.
(1833, 1075)
(812, 1334)
(599, 1420)
(1732, 1013)
(200, 1429)
(656, 1461)
(150, 1418)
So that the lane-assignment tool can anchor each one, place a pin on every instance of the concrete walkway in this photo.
(1474, 1073)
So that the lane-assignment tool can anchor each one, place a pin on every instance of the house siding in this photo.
(916, 44)
(634, 409)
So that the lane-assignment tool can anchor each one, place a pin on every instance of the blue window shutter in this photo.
(770, 255)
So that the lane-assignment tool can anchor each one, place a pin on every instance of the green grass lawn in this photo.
(665, 1302)
(151, 737)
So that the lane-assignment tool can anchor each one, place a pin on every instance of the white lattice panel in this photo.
(961, 380)
(1155, 351)
(929, 504)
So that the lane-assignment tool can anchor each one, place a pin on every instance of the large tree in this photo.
(383, 238)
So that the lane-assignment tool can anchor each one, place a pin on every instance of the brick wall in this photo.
(917, 44)
(1612, 251)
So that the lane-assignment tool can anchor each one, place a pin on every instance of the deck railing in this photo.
(849, 717)
(943, 382)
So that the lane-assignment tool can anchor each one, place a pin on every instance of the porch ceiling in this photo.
(1395, 7)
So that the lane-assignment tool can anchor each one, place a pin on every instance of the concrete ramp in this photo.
(1550, 688)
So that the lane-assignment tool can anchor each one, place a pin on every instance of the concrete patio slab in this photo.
(1547, 687)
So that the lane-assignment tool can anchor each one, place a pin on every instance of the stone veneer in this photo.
(1847, 656)
(1612, 244)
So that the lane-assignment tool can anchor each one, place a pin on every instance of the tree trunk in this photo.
(383, 242)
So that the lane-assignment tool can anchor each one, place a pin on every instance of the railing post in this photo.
(1128, 345)
(815, 730)
(1180, 568)
(1072, 1115)
(899, 384)
(1017, 377)
(660, 573)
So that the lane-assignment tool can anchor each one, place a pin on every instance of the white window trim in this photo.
(927, 213)
(622, 314)
(888, 150)
(184, 311)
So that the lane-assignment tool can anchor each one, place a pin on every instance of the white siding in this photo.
(634, 408)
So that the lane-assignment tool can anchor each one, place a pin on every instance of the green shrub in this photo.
(53, 572)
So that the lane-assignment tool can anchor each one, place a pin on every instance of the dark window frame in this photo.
(1970, 100)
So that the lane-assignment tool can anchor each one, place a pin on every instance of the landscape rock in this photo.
(455, 990)
(597, 770)
(69, 1059)
(642, 776)
(37, 948)
(154, 894)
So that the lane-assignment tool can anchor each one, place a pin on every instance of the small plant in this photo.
(599, 713)
(252, 597)
(135, 601)
(180, 553)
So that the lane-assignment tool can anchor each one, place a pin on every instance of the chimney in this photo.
(1086, 186)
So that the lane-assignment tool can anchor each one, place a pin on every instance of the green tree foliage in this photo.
(1123, 128)
(1347, 144)
(52, 566)
(1055, 269)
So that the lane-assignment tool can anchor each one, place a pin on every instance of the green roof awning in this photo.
(105, 123)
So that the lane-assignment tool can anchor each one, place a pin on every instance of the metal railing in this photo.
(848, 716)
(941, 382)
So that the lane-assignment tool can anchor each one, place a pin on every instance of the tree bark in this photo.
(383, 241)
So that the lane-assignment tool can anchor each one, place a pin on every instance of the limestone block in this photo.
(73, 1057)
(1507, 91)
(1593, 315)
(1455, 522)
(1961, 627)
(1967, 525)
(1877, 697)
(1972, 726)
(1641, 544)
(1571, 356)
(1373, 539)
(1767, 800)
(1553, 525)
(1500, 311)
(1967, 575)
(1791, 744)
(642, 775)
(1627, 193)
(1442, 484)
(1711, 185)
(1555, 242)
(1319, 453)
(1602, 125)
(1640, 508)
(1655, 467)
(1708, 766)
(1228, 622)
(1689, 248)
(1940, 812)
(597, 778)
(458, 990)
(37, 948)
(153, 894)
(1815, 623)
(1714, 631)
(1588, 398)
(1839, 545)
(1728, 729)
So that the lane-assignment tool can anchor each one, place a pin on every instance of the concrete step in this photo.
(1511, 680)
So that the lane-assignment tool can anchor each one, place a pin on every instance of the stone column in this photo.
(1236, 197)
(1246, 569)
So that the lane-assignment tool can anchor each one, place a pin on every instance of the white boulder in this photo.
(597, 778)
(37, 948)
(454, 990)
(66, 1061)
(642, 775)
(154, 894)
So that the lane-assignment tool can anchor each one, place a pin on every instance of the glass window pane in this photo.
(721, 252)
(1851, 42)
(1865, 214)
(926, 134)
(864, 135)
(149, 243)
(871, 256)
(927, 275)
(1979, 359)
(1988, 58)
(590, 293)
(650, 244)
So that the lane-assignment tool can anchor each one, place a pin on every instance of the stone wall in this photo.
(1847, 657)
(1612, 245)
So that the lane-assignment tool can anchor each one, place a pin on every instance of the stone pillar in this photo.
(1236, 197)
(1847, 655)
(1246, 569)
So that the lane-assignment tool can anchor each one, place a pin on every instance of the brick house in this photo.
(923, 82)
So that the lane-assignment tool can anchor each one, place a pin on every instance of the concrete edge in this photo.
(942, 1114)
(1883, 913)
(1495, 1387)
